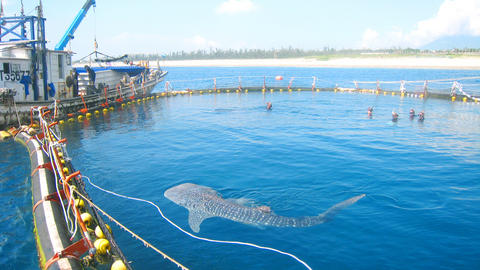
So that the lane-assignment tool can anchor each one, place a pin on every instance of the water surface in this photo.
(312, 150)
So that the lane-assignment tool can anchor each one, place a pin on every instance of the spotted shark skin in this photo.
(203, 202)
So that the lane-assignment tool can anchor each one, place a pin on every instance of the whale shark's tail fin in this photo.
(332, 211)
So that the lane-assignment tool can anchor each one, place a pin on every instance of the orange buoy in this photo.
(279, 78)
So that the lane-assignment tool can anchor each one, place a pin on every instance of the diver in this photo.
(394, 116)
(269, 106)
(421, 116)
(412, 114)
(370, 111)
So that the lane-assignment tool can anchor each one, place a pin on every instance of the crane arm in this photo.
(73, 27)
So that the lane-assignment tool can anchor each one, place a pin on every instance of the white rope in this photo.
(71, 225)
(197, 237)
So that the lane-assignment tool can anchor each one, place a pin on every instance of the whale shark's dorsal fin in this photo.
(195, 218)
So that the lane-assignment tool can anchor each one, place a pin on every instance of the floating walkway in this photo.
(69, 233)
(466, 89)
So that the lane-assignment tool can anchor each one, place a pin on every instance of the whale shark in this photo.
(203, 202)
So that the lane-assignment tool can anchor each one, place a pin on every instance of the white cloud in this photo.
(235, 6)
(454, 17)
(200, 42)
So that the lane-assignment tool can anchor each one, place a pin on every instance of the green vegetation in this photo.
(322, 55)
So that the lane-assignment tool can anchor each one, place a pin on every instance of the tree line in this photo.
(289, 53)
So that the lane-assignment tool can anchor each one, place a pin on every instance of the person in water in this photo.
(421, 116)
(269, 105)
(412, 113)
(370, 111)
(394, 116)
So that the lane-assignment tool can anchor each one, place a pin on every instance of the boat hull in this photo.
(13, 113)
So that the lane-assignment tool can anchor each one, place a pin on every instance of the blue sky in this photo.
(160, 26)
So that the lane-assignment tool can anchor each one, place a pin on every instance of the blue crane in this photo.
(73, 27)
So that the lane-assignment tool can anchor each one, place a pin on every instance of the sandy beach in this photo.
(374, 62)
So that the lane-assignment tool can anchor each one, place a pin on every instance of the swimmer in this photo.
(394, 116)
(269, 105)
(421, 116)
(370, 111)
(412, 113)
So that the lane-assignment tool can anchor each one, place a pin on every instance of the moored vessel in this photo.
(32, 75)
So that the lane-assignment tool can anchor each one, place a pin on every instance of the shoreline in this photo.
(463, 63)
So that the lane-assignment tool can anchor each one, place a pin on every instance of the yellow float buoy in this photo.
(5, 135)
(271, 90)
(79, 203)
(118, 265)
(99, 233)
(246, 90)
(87, 218)
(464, 99)
(281, 90)
(200, 92)
(453, 98)
(97, 112)
(65, 170)
(80, 117)
(61, 122)
(102, 246)
(88, 115)
(111, 108)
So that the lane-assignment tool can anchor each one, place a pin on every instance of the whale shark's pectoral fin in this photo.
(195, 218)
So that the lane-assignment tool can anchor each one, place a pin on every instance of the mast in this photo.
(43, 49)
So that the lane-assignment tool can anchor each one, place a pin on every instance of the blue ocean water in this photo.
(314, 149)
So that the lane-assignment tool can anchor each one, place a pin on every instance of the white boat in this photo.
(32, 75)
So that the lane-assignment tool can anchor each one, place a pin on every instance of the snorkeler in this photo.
(394, 116)
(421, 116)
(269, 105)
(370, 111)
(412, 113)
